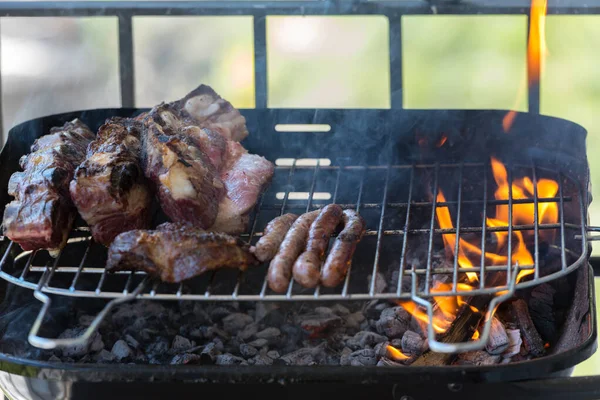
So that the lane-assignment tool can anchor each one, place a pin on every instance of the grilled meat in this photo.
(307, 268)
(280, 269)
(42, 213)
(109, 188)
(176, 252)
(274, 233)
(188, 185)
(338, 261)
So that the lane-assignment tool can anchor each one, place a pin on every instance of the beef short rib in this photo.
(176, 252)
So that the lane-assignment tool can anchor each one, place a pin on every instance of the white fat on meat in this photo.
(176, 180)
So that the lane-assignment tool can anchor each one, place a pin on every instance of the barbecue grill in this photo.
(371, 161)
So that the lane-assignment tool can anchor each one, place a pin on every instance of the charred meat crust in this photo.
(338, 261)
(176, 252)
(307, 268)
(41, 215)
(109, 188)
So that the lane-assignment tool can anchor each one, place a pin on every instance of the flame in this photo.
(475, 335)
(536, 53)
(396, 354)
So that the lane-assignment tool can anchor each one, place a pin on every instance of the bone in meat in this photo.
(274, 233)
(41, 215)
(177, 252)
(109, 188)
(307, 268)
(280, 269)
(338, 261)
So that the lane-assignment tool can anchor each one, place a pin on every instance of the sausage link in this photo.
(273, 236)
(307, 268)
(339, 258)
(280, 269)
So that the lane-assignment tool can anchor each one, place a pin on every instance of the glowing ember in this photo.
(536, 53)
(396, 354)
(442, 140)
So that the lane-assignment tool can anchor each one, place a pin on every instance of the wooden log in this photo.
(478, 357)
(541, 310)
(498, 341)
(532, 340)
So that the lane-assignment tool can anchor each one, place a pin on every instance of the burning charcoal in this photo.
(259, 343)
(345, 356)
(531, 338)
(541, 310)
(317, 324)
(79, 350)
(219, 313)
(340, 310)
(363, 357)
(260, 359)
(299, 357)
(514, 343)
(498, 341)
(386, 362)
(248, 332)
(273, 354)
(354, 320)
(247, 350)
(412, 343)
(105, 356)
(134, 344)
(214, 331)
(229, 359)
(324, 310)
(393, 322)
(478, 357)
(209, 354)
(268, 333)
(181, 344)
(185, 358)
(159, 347)
(121, 351)
(380, 282)
(233, 323)
(363, 339)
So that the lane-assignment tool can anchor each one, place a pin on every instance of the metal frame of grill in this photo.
(136, 285)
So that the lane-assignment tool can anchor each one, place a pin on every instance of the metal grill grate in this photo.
(402, 244)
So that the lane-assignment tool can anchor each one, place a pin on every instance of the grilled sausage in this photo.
(338, 261)
(307, 268)
(273, 236)
(280, 269)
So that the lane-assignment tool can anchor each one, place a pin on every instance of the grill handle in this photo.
(49, 343)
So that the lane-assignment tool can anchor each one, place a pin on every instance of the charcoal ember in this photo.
(260, 359)
(134, 314)
(147, 335)
(134, 344)
(514, 343)
(185, 358)
(304, 356)
(219, 313)
(340, 310)
(406, 282)
(248, 331)
(214, 331)
(318, 324)
(498, 341)
(263, 310)
(233, 323)
(181, 344)
(229, 359)
(78, 350)
(121, 350)
(209, 354)
(393, 322)
(541, 310)
(412, 343)
(248, 351)
(259, 343)
(479, 357)
(380, 282)
(292, 333)
(199, 314)
(345, 356)
(353, 321)
(273, 354)
(397, 343)
(232, 345)
(196, 333)
(386, 362)
(140, 358)
(365, 339)
(105, 356)
(54, 358)
(268, 333)
(364, 357)
(159, 347)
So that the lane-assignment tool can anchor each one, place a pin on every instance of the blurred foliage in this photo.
(59, 64)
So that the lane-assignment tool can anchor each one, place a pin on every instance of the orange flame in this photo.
(536, 53)
(475, 335)
(396, 354)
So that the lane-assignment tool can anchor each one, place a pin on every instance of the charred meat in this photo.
(41, 215)
(109, 188)
(177, 252)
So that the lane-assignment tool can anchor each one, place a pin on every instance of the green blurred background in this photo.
(58, 64)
